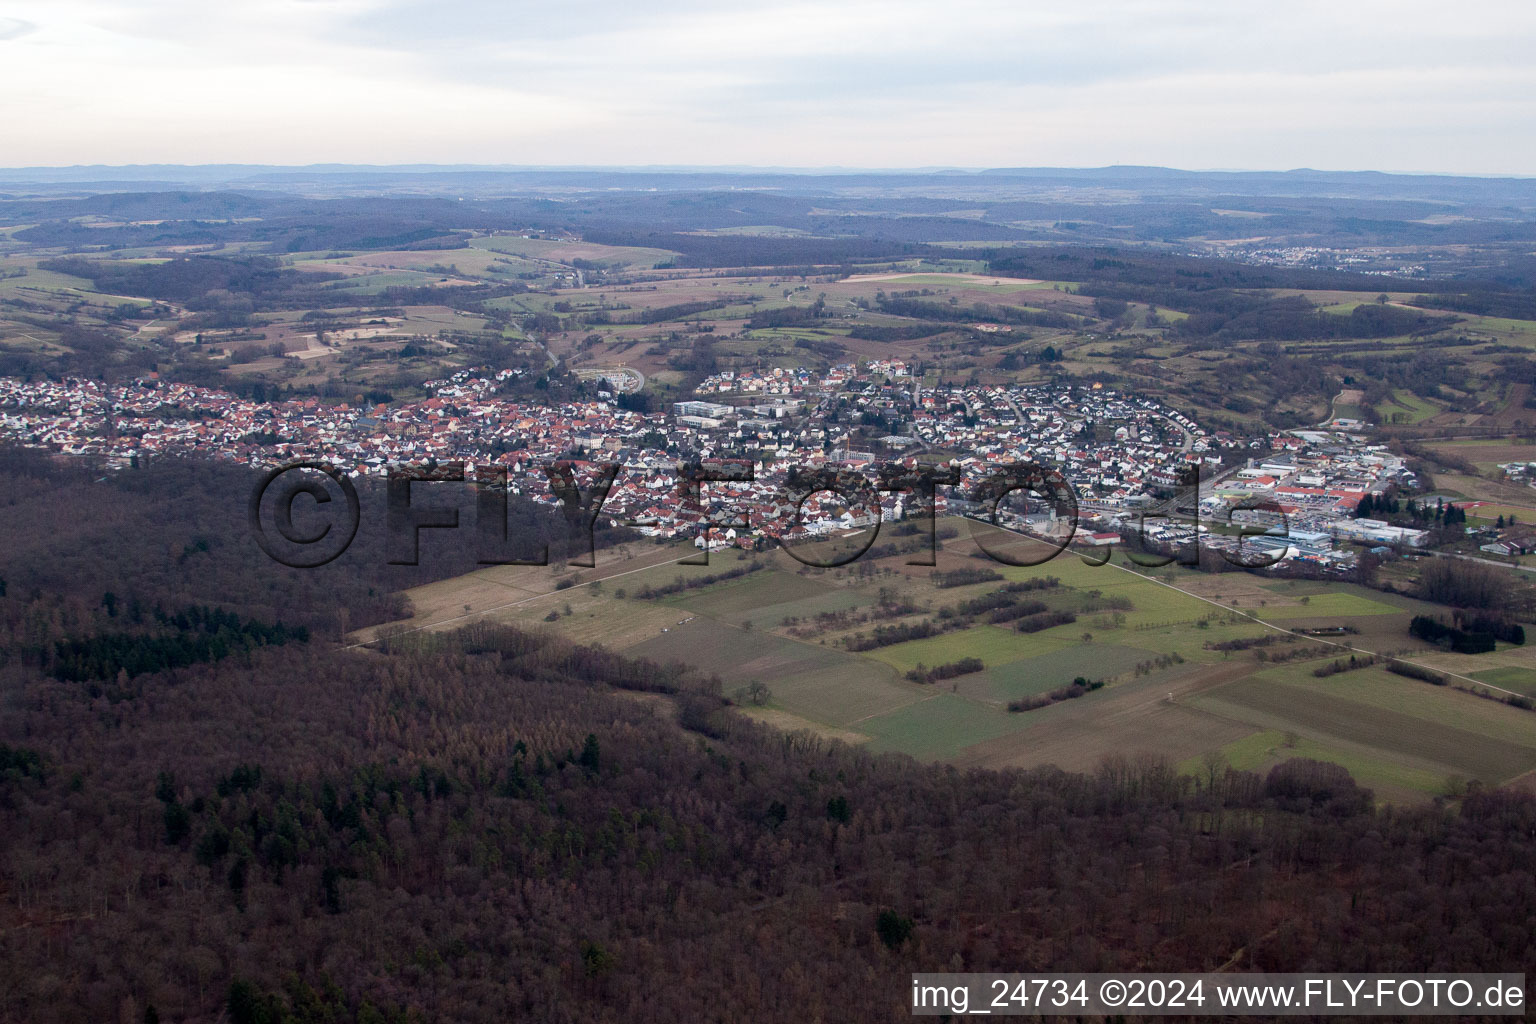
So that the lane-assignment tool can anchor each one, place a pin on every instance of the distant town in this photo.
(1127, 458)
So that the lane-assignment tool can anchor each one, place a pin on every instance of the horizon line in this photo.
(336, 167)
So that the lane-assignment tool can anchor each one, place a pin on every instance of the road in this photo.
(549, 356)
(1475, 558)
(1316, 639)
(1189, 435)
(1207, 488)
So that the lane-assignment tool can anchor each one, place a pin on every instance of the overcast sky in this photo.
(1333, 84)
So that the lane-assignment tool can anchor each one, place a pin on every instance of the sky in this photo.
(1216, 84)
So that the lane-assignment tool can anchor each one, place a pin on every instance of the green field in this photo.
(1513, 330)
(939, 727)
(564, 252)
(1490, 511)
(1267, 748)
(49, 287)
(819, 683)
(1333, 604)
(755, 594)
(1386, 720)
(1402, 737)
(960, 283)
(1406, 407)
(1349, 411)
(994, 645)
(1044, 672)
(1521, 680)
(373, 284)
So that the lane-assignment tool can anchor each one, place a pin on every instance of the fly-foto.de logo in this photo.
(306, 514)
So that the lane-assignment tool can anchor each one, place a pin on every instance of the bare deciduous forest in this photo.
(212, 813)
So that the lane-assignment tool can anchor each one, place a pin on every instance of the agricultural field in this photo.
(1490, 511)
(37, 305)
(1509, 330)
(1487, 455)
(1521, 679)
(1332, 605)
(565, 251)
(1052, 668)
(1169, 690)
(965, 282)
(939, 727)
(596, 306)
(1262, 750)
(1384, 726)
(1406, 407)
(1167, 644)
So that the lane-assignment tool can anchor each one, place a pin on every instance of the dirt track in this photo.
(1132, 718)
(957, 278)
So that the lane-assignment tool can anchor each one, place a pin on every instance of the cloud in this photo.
(1405, 84)
(15, 28)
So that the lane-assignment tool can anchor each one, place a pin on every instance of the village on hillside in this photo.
(1127, 458)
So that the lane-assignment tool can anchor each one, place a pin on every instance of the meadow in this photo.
(1384, 723)
(1406, 407)
(1167, 691)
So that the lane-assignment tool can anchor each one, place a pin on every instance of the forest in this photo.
(494, 824)
(298, 209)
(220, 802)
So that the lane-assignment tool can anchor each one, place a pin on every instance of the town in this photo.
(1283, 495)
(635, 513)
